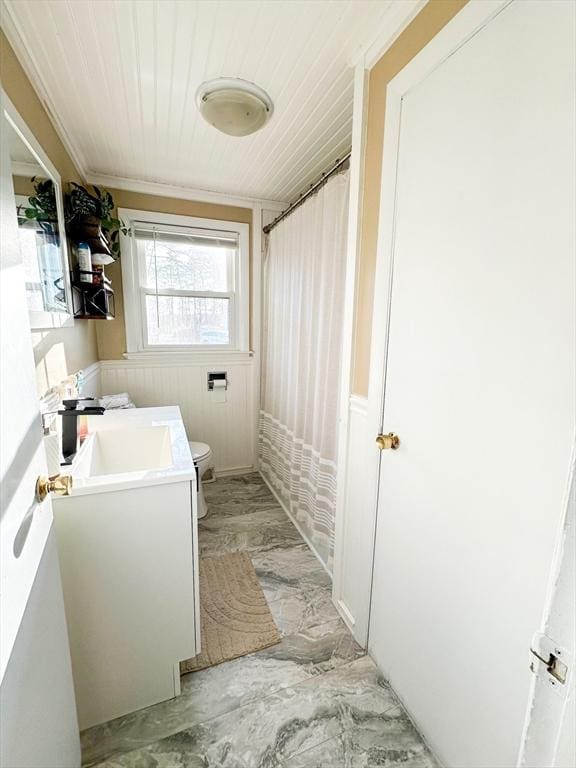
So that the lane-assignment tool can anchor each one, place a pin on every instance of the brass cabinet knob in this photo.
(59, 485)
(391, 440)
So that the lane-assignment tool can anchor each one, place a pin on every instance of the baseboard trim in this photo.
(231, 471)
(296, 524)
(346, 615)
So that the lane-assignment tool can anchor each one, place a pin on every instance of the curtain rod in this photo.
(336, 166)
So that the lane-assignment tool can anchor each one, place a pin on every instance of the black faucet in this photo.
(70, 425)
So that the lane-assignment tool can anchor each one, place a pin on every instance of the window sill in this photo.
(186, 357)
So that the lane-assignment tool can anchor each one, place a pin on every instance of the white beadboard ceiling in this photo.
(119, 78)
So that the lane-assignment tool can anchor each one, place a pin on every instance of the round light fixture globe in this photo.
(234, 106)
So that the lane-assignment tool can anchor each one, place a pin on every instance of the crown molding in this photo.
(25, 55)
(393, 24)
(20, 168)
(182, 193)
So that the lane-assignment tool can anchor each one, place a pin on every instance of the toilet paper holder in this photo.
(217, 380)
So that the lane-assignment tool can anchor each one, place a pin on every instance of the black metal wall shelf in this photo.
(92, 300)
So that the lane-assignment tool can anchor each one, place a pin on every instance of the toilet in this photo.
(202, 455)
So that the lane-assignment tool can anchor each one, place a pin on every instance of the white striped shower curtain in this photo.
(304, 278)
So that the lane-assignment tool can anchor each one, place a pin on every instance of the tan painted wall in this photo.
(111, 334)
(61, 352)
(23, 185)
(430, 20)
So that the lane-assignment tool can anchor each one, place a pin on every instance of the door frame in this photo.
(346, 521)
(341, 521)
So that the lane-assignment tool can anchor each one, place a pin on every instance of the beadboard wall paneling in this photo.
(228, 427)
(149, 59)
(92, 381)
(355, 530)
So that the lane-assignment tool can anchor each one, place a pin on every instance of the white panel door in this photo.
(38, 716)
(480, 380)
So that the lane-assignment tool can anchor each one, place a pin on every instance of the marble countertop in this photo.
(180, 466)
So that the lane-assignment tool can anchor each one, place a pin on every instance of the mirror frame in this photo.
(42, 320)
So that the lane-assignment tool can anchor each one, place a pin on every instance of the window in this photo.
(185, 285)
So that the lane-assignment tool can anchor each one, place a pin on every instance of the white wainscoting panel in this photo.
(353, 579)
(91, 386)
(228, 427)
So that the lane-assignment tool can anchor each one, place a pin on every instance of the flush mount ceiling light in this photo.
(234, 106)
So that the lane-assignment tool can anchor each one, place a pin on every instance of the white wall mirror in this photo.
(41, 230)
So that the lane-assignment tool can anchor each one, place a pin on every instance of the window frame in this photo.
(135, 293)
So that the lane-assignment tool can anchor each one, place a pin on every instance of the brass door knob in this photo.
(59, 485)
(391, 440)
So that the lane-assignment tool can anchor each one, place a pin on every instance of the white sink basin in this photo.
(116, 451)
(133, 448)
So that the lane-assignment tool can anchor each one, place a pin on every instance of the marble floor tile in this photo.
(225, 687)
(237, 507)
(251, 532)
(297, 612)
(350, 706)
(289, 571)
(238, 488)
(315, 650)
(392, 745)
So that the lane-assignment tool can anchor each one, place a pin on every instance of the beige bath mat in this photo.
(235, 617)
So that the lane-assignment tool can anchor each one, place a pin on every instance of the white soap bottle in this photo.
(84, 262)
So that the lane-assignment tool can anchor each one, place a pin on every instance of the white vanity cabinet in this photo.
(127, 544)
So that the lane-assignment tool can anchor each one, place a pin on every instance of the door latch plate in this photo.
(553, 656)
